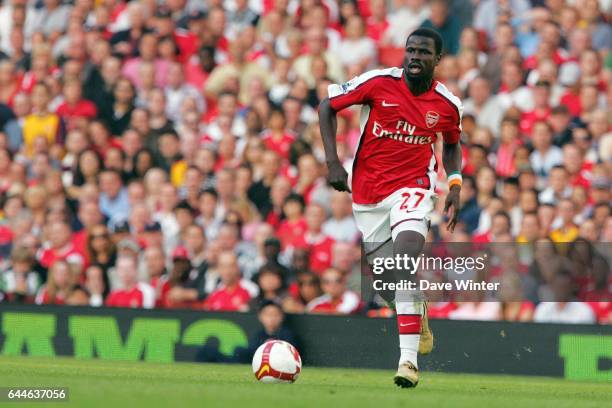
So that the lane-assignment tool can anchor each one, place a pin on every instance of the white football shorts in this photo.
(407, 209)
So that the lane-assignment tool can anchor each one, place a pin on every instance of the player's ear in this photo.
(438, 58)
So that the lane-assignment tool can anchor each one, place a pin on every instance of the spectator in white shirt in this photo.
(341, 226)
(408, 17)
(357, 48)
(165, 215)
(565, 309)
(485, 108)
(545, 156)
(467, 60)
(177, 91)
(316, 40)
(320, 16)
(488, 13)
(512, 91)
(557, 187)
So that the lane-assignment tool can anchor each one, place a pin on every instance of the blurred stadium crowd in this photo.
(167, 153)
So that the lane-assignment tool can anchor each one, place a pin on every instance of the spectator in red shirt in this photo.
(541, 110)
(276, 137)
(60, 282)
(61, 246)
(377, 23)
(306, 288)
(89, 216)
(133, 294)
(589, 101)
(440, 310)
(231, 296)
(309, 179)
(476, 159)
(9, 82)
(198, 69)
(579, 170)
(184, 286)
(336, 298)
(294, 225)
(550, 38)
(319, 244)
(101, 138)
(155, 264)
(509, 142)
(500, 226)
(438, 305)
(597, 294)
(281, 187)
(75, 110)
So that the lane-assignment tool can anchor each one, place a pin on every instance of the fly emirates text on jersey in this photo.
(403, 132)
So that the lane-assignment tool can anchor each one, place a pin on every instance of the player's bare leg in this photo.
(410, 310)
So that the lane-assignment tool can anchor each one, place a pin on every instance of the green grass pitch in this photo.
(94, 383)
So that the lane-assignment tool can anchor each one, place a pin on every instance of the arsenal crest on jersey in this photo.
(431, 118)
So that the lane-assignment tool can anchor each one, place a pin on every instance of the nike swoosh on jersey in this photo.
(406, 324)
(384, 103)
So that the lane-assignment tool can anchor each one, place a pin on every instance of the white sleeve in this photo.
(148, 295)
(541, 313)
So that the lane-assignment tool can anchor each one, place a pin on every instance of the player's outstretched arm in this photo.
(451, 158)
(337, 175)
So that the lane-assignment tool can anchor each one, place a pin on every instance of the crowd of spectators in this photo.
(167, 153)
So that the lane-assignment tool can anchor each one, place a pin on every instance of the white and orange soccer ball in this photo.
(277, 361)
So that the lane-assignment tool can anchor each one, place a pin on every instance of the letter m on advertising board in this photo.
(99, 336)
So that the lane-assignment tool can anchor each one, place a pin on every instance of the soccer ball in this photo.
(277, 361)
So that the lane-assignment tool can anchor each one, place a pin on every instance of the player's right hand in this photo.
(338, 177)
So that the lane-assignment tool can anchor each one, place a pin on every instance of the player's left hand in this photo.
(451, 207)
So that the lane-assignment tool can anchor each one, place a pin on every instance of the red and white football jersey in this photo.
(226, 300)
(348, 303)
(320, 249)
(69, 253)
(398, 132)
(140, 296)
